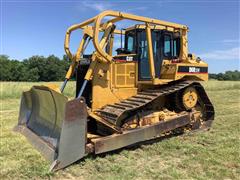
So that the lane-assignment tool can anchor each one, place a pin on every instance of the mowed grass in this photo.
(203, 155)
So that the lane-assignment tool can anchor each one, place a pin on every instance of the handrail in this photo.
(68, 34)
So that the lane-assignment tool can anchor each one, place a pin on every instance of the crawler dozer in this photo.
(148, 88)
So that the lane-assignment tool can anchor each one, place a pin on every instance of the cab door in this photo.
(166, 46)
(142, 51)
(157, 52)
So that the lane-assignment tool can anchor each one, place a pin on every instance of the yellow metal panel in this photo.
(124, 93)
(168, 71)
(121, 69)
(101, 92)
(121, 80)
(124, 74)
(123, 83)
(195, 76)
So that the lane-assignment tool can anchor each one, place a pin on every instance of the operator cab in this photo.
(165, 44)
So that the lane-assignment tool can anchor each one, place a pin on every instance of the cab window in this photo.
(171, 46)
(176, 47)
(167, 46)
(129, 43)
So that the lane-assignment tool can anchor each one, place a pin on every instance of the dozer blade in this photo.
(54, 125)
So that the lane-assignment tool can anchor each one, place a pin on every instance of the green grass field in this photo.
(214, 154)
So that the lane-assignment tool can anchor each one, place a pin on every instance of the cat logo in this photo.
(129, 58)
(194, 70)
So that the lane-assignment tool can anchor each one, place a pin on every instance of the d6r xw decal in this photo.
(192, 69)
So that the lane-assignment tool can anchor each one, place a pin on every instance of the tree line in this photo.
(35, 68)
(227, 76)
(52, 68)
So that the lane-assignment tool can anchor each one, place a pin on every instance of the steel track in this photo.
(117, 112)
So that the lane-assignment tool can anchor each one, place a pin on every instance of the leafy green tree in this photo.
(227, 76)
(5, 68)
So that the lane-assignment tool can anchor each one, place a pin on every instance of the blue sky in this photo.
(38, 27)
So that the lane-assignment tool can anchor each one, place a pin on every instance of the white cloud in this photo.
(228, 54)
(97, 6)
(102, 6)
(135, 9)
(227, 41)
(230, 41)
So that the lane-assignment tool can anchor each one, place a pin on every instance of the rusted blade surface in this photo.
(55, 126)
(73, 134)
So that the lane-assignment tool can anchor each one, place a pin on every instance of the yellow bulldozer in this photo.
(149, 88)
